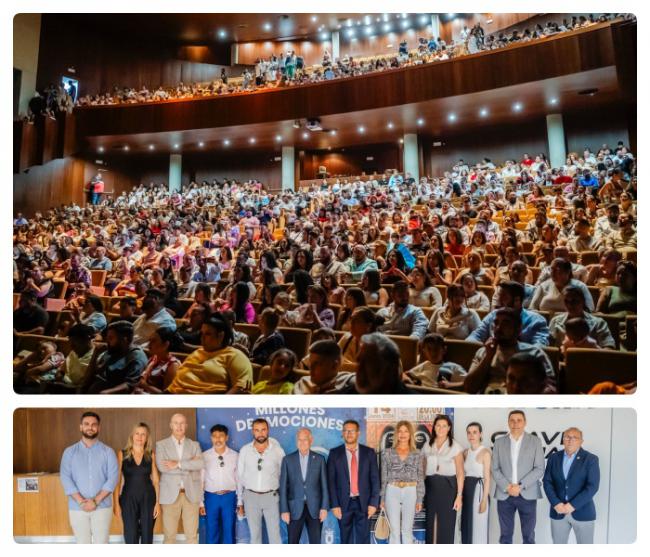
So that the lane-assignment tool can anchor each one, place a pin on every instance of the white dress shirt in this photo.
(178, 445)
(515, 447)
(266, 479)
(217, 477)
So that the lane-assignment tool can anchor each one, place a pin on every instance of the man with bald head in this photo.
(180, 461)
(304, 497)
(571, 481)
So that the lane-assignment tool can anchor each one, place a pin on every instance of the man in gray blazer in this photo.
(304, 497)
(180, 462)
(517, 467)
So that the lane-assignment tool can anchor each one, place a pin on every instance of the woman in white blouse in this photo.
(454, 320)
(474, 298)
(443, 483)
(421, 292)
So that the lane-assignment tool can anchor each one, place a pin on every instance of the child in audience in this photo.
(240, 340)
(280, 372)
(319, 334)
(270, 339)
(434, 371)
(40, 366)
(577, 335)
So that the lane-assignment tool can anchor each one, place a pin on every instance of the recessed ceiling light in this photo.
(222, 33)
(314, 18)
(553, 100)
(267, 26)
(252, 140)
(278, 138)
(420, 121)
(423, 19)
(361, 129)
(305, 135)
(100, 149)
(405, 23)
(126, 147)
(386, 27)
(201, 144)
(401, 140)
(368, 30)
(175, 145)
(226, 142)
(385, 17)
(517, 107)
(333, 132)
(350, 32)
(378, 19)
(389, 125)
(452, 117)
(359, 22)
(151, 147)
(484, 112)
(324, 36)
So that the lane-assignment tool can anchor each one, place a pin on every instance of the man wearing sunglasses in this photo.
(259, 467)
(220, 488)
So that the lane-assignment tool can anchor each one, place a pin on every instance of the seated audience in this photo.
(324, 375)
(454, 319)
(281, 374)
(400, 317)
(270, 339)
(433, 370)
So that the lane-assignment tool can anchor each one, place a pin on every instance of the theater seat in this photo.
(589, 257)
(408, 349)
(461, 352)
(585, 367)
(614, 322)
(554, 355)
(31, 342)
(97, 277)
(295, 339)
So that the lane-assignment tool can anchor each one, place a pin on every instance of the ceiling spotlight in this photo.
(385, 17)
(305, 135)
(126, 147)
(367, 19)
(405, 23)
(420, 121)
(553, 100)
(314, 18)
(151, 147)
(201, 144)
(332, 132)
(386, 27)
(278, 138)
(378, 19)
(359, 22)
(100, 149)
(226, 142)
(423, 19)
(350, 32)
(389, 125)
(175, 145)
(517, 107)
(267, 26)
(361, 129)
(452, 117)
(251, 140)
(222, 33)
(324, 36)
(483, 112)
(401, 140)
(368, 30)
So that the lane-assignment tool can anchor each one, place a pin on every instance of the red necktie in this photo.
(354, 474)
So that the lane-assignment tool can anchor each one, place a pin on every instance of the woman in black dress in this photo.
(135, 499)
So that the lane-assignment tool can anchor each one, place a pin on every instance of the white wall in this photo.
(27, 35)
(608, 433)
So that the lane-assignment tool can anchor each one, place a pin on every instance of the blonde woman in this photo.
(135, 499)
(402, 483)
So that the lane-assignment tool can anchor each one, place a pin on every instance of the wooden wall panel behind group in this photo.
(42, 434)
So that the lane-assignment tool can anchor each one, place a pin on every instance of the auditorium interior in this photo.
(172, 151)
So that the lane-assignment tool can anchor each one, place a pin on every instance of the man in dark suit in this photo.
(517, 468)
(571, 480)
(353, 478)
(304, 498)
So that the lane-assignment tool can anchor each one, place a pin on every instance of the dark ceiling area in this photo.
(191, 28)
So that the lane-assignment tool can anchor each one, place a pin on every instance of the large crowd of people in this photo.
(289, 69)
(177, 481)
(356, 286)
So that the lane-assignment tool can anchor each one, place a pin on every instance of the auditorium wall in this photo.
(351, 161)
(117, 60)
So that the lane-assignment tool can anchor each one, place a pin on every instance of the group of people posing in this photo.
(177, 481)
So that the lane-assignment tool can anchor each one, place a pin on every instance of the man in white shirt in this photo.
(259, 467)
(517, 467)
(220, 488)
(154, 317)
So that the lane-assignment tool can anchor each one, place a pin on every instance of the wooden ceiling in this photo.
(189, 28)
(439, 118)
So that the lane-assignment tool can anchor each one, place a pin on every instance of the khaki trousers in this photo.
(91, 527)
(188, 511)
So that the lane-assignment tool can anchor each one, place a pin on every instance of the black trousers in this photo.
(527, 510)
(137, 518)
(354, 524)
(439, 500)
(313, 528)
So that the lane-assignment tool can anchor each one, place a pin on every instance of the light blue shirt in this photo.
(567, 461)
(87, 471)
(304, 462)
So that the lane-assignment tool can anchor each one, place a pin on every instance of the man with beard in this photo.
(119, 368)
(401, 317)
(328, 266)
(89, 476)
(154, 317)
(487, 374)
(259, 468)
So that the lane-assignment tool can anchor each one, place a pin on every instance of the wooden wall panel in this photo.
(41, 434)
(351, 162)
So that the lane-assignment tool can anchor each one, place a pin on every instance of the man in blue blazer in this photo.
(571, 480)
(353, 478)
(304, 498)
